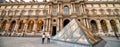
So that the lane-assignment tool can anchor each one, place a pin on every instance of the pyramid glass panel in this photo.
(82, 40)
(76, 32)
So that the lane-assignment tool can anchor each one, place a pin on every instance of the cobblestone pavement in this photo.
(36, 42)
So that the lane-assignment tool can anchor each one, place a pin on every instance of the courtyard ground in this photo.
(36, 42)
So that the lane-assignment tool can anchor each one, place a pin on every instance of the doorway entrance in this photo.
(66, 22)
(54, 31)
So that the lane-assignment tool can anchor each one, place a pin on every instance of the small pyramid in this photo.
(76, 32)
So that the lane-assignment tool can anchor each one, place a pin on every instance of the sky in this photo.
(29, 0)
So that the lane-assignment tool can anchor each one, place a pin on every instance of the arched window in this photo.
(94, 26)
(104, 26)
(66, 10)
(30, 12)
(114, 26)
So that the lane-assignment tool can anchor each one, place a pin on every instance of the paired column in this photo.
(99, 26)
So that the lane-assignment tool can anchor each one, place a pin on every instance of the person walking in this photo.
(43, 38)
(48, 38)
(116, 35)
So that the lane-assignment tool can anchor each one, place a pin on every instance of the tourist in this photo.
(116, 35)
(43, 37)
(48, 38)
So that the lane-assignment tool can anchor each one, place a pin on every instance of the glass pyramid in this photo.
(76, 32)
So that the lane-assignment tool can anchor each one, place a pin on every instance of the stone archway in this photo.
(94, 26)
(113, 25)
(12, 26)
(66, 22)
(104, 26)
(3, 26)
(40, 25)
(30, 26)
(21, 25)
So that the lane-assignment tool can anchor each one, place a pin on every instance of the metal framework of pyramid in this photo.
(76, 32)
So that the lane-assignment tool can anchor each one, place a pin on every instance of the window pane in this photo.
(66, 10)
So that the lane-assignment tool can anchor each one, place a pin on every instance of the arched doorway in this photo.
(3, 27)
(66, 22)
(40, 25)
(30, 26)
(21, 25)
(113, 25)
(94, 26)
(12, 26)
(104, 26)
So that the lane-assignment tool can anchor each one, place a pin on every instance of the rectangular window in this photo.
(77, 10)
(55, 11)
(45, 12)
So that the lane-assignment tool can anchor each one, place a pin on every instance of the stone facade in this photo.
(32, 18)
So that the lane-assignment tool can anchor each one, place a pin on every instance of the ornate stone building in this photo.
(32, 18)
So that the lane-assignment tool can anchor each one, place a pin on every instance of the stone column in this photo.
(6, 14)
(99, 27)
(13, 13)
(16, 27)
(61, 23)
(27, 12)
(88, 24)
(8, 25)
(26, 26)
(50, 9)
(118, 25)
(44, 25)
(109, 26)
(34, 13)
(72, 8)
(58, 8)
(58, 24)
(35, 26)
(49, 25)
